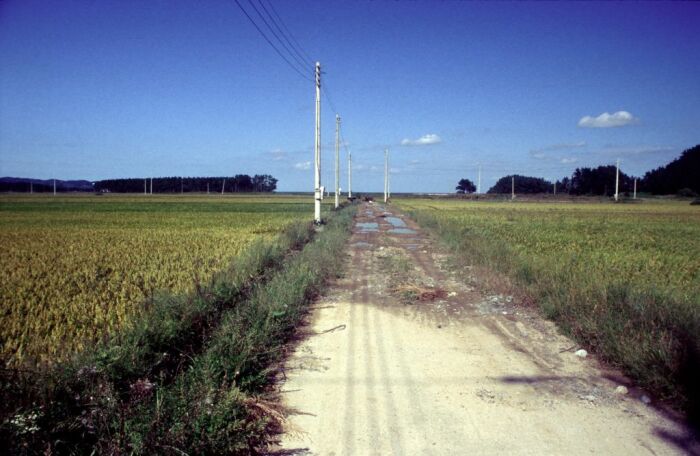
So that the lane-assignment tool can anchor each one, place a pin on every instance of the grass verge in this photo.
(653, 336)
(186, 378)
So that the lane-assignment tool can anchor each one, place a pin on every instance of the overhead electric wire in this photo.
(307, 78)
(302, 65)
(291, 35)
(304, 60)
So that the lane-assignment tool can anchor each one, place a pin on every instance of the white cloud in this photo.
(425, 140)
(303, 165)
(542, 153)
(607, 120)
(277, 154)
(567, 160)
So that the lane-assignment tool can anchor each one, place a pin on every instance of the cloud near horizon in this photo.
(541, 153)
(425, 140)
(607, 120)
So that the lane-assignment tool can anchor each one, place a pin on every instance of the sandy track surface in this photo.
(464, 373)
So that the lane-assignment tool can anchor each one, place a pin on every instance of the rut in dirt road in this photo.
(425, 364)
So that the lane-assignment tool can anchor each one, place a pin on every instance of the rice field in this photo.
(77, 267)
(652, 244)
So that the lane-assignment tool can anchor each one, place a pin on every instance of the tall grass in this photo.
(653, 334)
(184, 377)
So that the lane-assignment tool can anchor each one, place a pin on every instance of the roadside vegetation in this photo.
(623, 280)
(189, 375)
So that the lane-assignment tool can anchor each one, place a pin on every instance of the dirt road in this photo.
(457, 372)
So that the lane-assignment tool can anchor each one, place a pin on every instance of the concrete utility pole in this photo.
(151, 185)
(223, 185)
(635, 189)
(31, 187)
(349, 174)
(386, 175)
(555, 188)
(478, 185)
(617, 179)
(54, 187)
(317, 149)
(207, 188)
(337, 161)
(145, 186)
(512, 188)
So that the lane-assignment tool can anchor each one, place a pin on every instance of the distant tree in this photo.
(238, 183)
(683, 172)
(523, 184)
(465, 186)
(599, 181)
(564, 185)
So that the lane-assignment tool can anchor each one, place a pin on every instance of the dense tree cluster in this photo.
(523, 184)
(681, 173)
(465, 186)
(597, 181)
(238, 183)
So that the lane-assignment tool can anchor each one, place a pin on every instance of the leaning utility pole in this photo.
(317, 149)
(617, 179)
(223, 185)
(349, 174)
(337, 160)
(386, 175)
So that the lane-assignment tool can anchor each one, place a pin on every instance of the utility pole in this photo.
(349, 174)
(151, 185)
(223, 185)
(555, 188)
(386, 176)
(617, 179)
(512, 187)
(207, 188)
(31, 187)
(635, 189)
(337, 160)
(54, 187)
(317, 149)
(478, 185)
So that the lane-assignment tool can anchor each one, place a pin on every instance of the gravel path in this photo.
(461, 373)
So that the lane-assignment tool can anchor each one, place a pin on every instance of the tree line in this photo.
(681, 176)
(240, 183)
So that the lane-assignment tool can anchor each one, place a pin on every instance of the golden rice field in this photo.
(655, 244)
(76, 267)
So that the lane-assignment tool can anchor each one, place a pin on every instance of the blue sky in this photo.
(103, 89)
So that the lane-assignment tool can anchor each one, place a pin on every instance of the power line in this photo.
(328, 97)
(301, 62)
(291, 35)
(271, 44)
(307, 61)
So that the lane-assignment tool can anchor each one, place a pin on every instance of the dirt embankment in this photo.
(421, 363)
